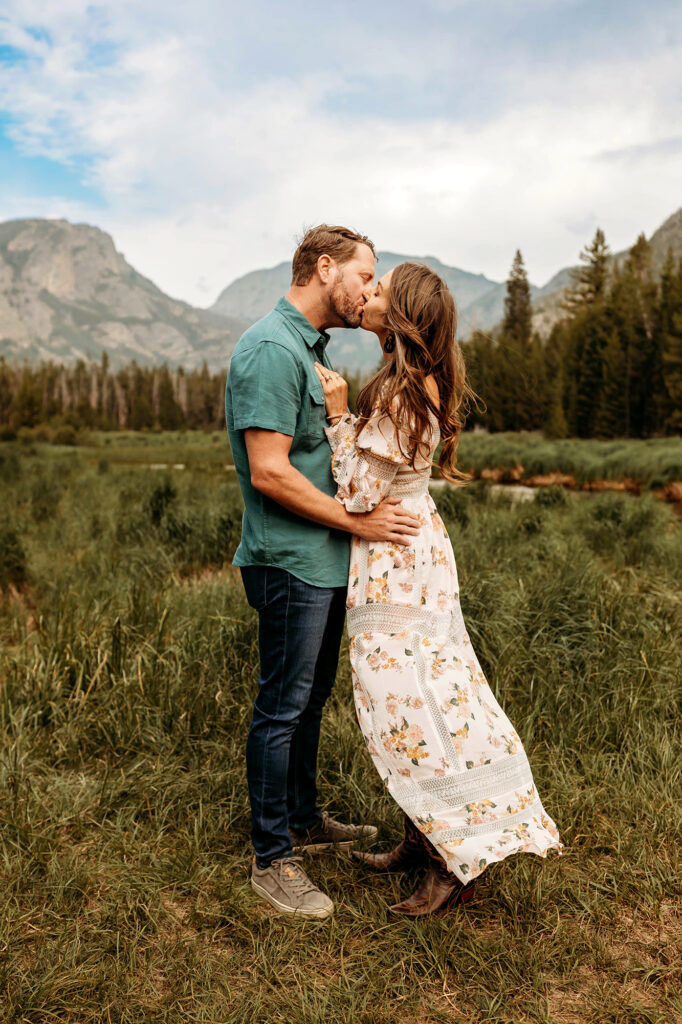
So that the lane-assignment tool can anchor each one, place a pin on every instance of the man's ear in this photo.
(324, 267)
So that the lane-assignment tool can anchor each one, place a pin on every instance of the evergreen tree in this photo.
(140, 399)
(512, 354)
(668, 308)
(169, 412)
(612, 413)
(517, 304)
(588, 283)
(537, 391)
(480, 359)
(27, 405)
(672, 354)
(592, 326)
(642, 356)
(555, 419)
(6, 391)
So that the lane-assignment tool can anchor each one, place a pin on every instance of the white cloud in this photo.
(204, 179)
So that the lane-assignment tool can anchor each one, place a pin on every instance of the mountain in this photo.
(67, 294)
(253, 295)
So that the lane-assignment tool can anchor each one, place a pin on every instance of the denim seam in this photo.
(286, 623)
(284, 652)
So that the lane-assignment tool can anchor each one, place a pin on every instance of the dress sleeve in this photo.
(364, 468)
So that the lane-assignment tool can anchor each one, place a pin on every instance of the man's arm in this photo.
(273, 475)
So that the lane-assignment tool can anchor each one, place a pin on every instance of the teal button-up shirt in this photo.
(272, 385)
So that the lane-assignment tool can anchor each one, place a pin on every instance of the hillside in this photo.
(67, 294)
(253, 295)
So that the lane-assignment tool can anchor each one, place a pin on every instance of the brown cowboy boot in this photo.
(438, 890)
(408, 854)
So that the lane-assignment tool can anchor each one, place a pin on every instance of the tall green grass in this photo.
(128, 665)
(652, 463)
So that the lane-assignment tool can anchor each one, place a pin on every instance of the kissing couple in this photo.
(339, 522)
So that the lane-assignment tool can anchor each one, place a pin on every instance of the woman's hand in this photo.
(335, 391)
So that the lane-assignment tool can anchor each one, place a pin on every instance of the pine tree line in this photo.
(92, 396)
(611, 367)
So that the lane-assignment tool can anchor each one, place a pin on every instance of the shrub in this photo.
(626, 528)
(45, 495)
(10, 466)
(546, 497)
(41, 433)
(13, 569)
(529, 518)
(201, 538)
(25, 437)
(163, 495)
(65, 435)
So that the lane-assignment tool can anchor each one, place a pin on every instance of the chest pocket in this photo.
(316, 412)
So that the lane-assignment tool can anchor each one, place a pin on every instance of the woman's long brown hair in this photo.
(422, 318)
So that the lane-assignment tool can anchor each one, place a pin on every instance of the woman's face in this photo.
(376, 301)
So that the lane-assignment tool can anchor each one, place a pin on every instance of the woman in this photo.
(440, 741)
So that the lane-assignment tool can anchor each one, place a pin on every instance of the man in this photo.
(294, 554)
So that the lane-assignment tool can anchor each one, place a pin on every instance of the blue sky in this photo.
(204, 136)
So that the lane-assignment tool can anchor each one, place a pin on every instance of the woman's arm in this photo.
(362, 477)
(364, 466)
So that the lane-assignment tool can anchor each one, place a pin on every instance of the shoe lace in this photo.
(330, 824)
(297, 880)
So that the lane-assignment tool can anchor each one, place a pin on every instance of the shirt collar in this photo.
(310, 334)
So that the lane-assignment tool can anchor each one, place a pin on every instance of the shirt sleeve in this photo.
(364, 468)
(265, 388)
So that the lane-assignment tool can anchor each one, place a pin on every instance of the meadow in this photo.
(128, 661)
(647, 464)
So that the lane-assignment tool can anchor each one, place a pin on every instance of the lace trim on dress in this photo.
(340, 430)
(438, 719)
(394, 618)
(500, 824)
(409, 485)
(487, 780)
(380, 468)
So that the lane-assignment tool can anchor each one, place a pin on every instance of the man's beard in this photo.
(344, 307)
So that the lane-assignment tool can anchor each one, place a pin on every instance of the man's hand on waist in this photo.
(389, 521)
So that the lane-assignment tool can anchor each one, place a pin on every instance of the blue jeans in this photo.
(299, 635)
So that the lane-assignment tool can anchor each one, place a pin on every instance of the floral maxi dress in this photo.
(444, 747)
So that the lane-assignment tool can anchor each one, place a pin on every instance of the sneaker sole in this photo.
(315, 915)
(323, 847)
(345, 846)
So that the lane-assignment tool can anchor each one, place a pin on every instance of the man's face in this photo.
(351, 280)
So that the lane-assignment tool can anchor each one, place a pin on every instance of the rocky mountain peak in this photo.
(66, 293)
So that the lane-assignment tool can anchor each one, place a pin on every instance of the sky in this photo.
(205, 136)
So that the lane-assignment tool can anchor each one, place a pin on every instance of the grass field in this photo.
(128, 662)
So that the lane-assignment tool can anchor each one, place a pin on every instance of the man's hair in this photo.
(331, 240)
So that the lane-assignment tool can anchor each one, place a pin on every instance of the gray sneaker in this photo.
(286, 887)
(330, 834)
